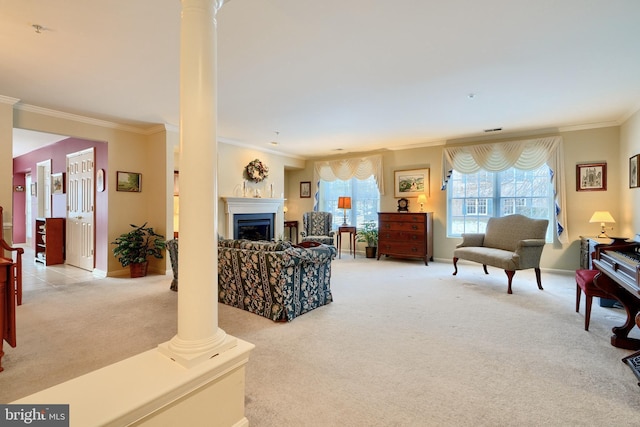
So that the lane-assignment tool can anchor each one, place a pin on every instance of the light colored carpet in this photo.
(401, 345)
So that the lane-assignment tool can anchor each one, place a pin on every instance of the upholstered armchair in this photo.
(172, 248)
(317, 227)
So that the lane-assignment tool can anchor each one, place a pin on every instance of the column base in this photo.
(190, 354)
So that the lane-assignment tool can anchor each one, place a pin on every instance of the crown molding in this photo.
(630, 113)
(423, 144)
(256, 148)
(80, 119)
(588, 126)
(8, 100)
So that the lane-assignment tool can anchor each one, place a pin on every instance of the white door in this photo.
(80, 209)
(43, 188)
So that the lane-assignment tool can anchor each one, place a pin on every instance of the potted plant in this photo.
(135, 247)
(369, 234)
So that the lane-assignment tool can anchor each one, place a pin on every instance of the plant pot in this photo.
(370, 251)
(138, 269)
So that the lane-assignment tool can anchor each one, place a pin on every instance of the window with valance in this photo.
(525, 155)
(346, 169)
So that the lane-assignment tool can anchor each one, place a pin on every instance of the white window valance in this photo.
(354, 167)
(526, 155)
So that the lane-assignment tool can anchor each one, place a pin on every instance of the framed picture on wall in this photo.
(591, 177)
(633, 171)
(305, 189)
(129, 181)
(57, 183)
(411, 183)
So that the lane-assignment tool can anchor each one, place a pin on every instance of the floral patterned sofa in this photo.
(274, 279)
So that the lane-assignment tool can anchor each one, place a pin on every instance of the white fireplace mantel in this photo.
(249, 205)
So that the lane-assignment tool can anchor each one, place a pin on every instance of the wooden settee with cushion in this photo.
(274, 279)
(512, 243)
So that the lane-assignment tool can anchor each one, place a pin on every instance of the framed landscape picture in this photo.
(411, 183)
(128, 181)
(591, 177)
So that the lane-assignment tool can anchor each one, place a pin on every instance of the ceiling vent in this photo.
(493, 130)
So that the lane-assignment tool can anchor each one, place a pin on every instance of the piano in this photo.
(619, 266)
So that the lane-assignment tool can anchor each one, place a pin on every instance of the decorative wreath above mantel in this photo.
(256, 171)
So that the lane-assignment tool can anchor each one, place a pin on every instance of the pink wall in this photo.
(58, 154)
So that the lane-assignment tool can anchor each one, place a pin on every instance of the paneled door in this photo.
(80, 209)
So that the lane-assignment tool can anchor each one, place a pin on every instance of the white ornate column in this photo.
(153, 390)
(198, 337)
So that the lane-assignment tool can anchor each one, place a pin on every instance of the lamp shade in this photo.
(422, 198)
(602, 216)
(344, 202)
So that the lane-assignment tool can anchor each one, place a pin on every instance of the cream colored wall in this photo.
(584, 146)
(129, 150)
(159, 174)
(296, 205)
(629, 197)
(232, 160)
(6, 159)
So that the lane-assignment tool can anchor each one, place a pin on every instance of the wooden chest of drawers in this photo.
(406, 235)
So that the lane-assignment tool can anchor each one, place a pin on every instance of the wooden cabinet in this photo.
(406, 235)
(588, 245)
(50, 236)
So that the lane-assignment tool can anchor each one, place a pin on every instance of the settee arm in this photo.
(316, 255)
(530, 243)
(471, 239)
(529, 252)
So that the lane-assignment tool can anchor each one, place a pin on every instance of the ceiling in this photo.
(335, 76)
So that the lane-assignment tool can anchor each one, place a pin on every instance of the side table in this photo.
(352, 238)
(291, 225)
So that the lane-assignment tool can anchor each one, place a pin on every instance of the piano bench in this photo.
(584, 283)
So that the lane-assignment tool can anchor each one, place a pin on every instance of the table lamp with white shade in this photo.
(602, 217)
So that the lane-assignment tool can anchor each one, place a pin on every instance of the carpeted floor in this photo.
(401, 345)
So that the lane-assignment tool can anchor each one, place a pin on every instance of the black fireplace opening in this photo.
(253, 226)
